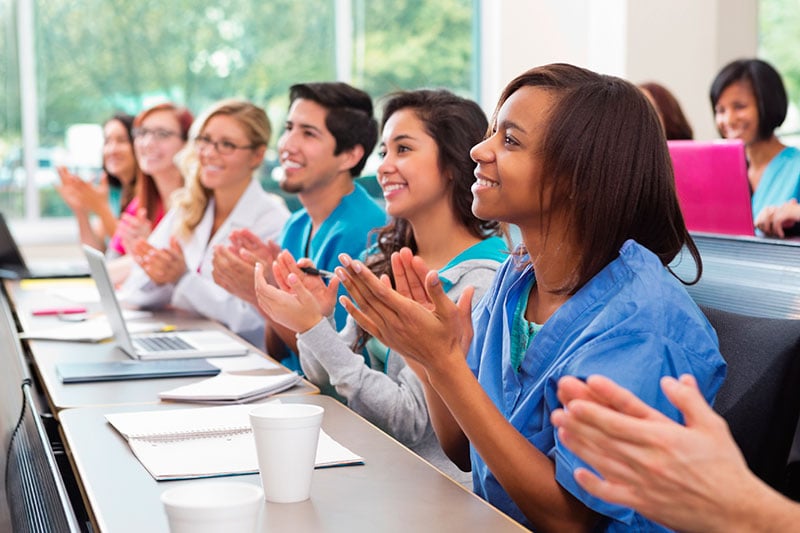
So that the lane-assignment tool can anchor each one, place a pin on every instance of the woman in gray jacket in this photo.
(426, 175)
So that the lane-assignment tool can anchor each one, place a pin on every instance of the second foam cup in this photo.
(286, 437)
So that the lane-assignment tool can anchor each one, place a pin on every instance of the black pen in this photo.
(317, 272)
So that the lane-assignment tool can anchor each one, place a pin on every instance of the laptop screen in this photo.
(712, 186)
(10, 256)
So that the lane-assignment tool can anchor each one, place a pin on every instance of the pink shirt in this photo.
(116, 240)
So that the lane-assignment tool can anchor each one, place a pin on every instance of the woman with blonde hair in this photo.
(173, 267)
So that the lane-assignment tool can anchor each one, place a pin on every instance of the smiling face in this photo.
(156, 149)
(118, 158)
(508, 185)
(736, 112)
(306, 149)
(232, 170)
(409, 174)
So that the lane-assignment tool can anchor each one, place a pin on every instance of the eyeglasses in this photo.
(158, 134)
(222, 147)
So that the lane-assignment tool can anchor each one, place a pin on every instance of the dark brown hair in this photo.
(606, 158)
(349, 117)
(127, 189)
(456, 125)
(676, 127)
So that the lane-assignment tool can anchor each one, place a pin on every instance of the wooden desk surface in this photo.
(394, 490)
(46, 355)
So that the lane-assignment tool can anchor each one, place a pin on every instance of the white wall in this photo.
(678, 43)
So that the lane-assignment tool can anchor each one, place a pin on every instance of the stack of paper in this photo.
(227, 388)
(206, 442)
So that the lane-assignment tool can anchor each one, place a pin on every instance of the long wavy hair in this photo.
(192, 200)
(456, 125)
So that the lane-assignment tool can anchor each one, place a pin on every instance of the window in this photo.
(778, 45)
(95, 57)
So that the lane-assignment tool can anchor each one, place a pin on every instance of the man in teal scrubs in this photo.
(329, 133)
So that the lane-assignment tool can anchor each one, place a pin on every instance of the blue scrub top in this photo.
(633, 322)
(780, 181)
(344, 231)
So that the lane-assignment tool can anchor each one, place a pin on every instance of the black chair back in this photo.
(760, 398)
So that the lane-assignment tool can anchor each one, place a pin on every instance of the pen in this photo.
(317, 272)
(49, 311)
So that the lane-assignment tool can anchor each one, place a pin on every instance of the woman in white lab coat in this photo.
(174, 265)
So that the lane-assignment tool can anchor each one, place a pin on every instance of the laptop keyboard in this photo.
(162, 343)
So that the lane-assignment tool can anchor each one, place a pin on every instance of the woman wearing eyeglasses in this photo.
(173, 266)
(159, 133)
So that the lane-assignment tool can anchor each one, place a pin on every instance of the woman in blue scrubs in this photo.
(579, 163)
(749, 102)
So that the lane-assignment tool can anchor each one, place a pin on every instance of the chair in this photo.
(760, 398)
(35, 498)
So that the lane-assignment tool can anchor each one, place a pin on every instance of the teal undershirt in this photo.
(493, 248)
(522, 331)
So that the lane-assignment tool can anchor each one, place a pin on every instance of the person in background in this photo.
(330, 131)
(689, 477)
(589, 291)
(159, 133)
(425, 174)
(676, 127)
(749, 102)
(173, 266)
(115, 190)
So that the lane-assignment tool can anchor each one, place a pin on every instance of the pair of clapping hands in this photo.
(415, 317)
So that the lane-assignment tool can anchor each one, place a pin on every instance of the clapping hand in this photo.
(164, 265)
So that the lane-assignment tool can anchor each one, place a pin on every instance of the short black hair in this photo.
(768, 90)
(350, 115)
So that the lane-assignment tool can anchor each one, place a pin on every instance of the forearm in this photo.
(526, 474)
(757, 507)
(201, 295)
(107, 219)
(451, 437)
(87, 233)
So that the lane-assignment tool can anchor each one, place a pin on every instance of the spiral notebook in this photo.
(206, 442)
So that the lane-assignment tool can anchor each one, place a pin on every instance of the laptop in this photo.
(713, 190)
(13, 266)
(163, 345)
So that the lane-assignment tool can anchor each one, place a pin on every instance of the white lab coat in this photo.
(262, 213)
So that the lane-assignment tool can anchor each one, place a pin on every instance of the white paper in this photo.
(80, 295)
(226, 387)
(251, 361)
(91, 330)
(205, 442)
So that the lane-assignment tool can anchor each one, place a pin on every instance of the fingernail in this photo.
(344, 259)
(339, 271)
(357, 267)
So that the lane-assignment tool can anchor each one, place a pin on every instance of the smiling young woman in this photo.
(749, 102)
(579, 162)
(426, 175)
(174, 265)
